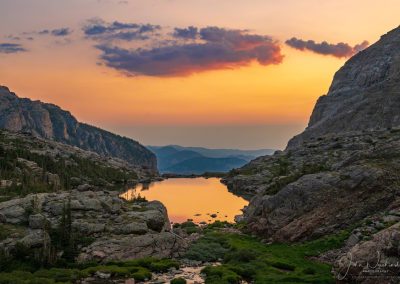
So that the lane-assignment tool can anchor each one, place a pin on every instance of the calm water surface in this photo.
(192, 198)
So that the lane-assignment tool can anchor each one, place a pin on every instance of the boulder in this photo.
(118, 229)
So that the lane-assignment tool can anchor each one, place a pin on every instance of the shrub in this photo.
(164, 265)
(59, 274)
(178, 281)
(142, 274)
(209, 248)
(221, 275)
(240, 255)
(283, 265)
(309, 270)
(188, 224)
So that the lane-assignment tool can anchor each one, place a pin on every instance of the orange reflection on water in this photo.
(192, 198)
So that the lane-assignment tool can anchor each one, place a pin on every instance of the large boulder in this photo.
(118, 229)
(372, 261)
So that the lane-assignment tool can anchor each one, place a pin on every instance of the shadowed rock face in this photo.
(51, 122)
(343, 171)
(364, 95)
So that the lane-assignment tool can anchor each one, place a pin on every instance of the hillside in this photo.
(51, 122)
(30, 164)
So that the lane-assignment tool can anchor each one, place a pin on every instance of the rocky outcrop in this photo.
(323, 187)
(372, 261)
(118, 229)
(364, 95)
(51, 122)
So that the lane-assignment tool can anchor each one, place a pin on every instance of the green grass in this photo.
(246, 258)
(139, 269)
(178, 281)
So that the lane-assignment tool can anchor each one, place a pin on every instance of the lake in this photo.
(192, 198)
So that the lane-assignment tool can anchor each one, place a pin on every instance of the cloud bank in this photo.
(193, 50)
(11, 48)
(338, 50)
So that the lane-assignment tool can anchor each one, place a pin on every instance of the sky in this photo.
(212, 73)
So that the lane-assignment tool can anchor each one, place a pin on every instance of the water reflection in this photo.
(200, 199)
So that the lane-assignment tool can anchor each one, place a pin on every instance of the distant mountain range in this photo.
(177, 159)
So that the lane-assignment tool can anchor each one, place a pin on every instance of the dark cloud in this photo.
(100, 30)
(148, 28)
(61, 32)
(98, 27)
(338, 50)
(186, 33)
(11, 48)
(217, 48)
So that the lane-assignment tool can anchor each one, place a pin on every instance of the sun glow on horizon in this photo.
(70, 73)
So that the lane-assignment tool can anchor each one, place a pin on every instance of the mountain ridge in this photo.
(354, 101)
(175, 159)
(342, 174)
(49, 121)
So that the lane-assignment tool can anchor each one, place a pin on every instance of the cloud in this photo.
(216, 48)
(186, 33)
(11, 48)
(339, 50)
(102, 31)
(61, 32)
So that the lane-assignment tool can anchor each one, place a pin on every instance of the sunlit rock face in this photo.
(51, 122)
(364, 95)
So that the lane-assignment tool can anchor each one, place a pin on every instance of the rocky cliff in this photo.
(51, 122)
(364, 94)
(342, 172)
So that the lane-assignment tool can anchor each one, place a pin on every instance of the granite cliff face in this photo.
(342, 172)
(364, 95)
(51, 122)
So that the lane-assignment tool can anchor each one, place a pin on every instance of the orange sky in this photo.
(65, 72)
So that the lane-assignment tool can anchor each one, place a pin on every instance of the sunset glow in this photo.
(68, 71)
